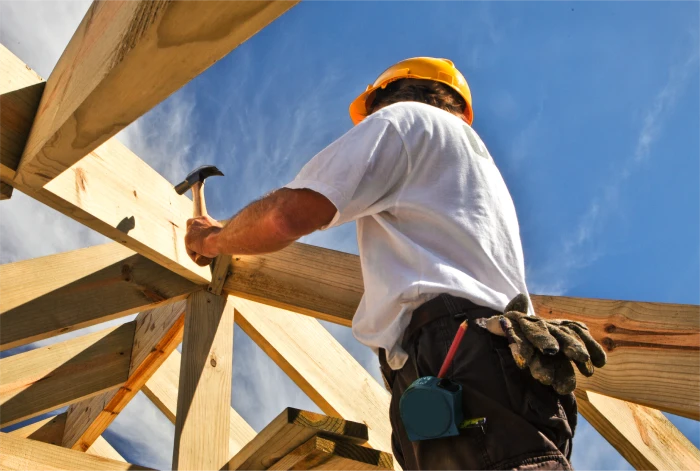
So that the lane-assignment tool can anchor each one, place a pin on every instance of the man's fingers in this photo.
(202, 261)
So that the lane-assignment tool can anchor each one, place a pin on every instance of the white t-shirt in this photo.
(433, 216)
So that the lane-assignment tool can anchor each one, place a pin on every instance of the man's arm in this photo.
(264, 226)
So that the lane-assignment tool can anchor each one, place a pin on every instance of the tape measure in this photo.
(431, 407)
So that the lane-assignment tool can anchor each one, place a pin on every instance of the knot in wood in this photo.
(127, 272)
(609, 344)
(213, 362)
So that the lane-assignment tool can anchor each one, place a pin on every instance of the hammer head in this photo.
(198, 175)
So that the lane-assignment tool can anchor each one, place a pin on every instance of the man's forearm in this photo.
(272, 223)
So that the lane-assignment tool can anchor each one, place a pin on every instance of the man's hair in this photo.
(429, 92)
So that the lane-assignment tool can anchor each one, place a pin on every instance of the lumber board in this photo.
(643, 341)
(111, 191)
(52, 295)
(309, 280)
(125, 58)
(102, 448)
(202, 420)
(643, 436)
(328, 454)
(50, 377)
(48, 430)
(21, 454)
(156, 334)
(20, 92)
(5, 191)
(221, 269)
(320, 366)
(290, 429)
(161, 389)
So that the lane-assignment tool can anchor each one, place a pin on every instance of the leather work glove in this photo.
(547, 347)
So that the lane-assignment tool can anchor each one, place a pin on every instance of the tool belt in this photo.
(442, 306)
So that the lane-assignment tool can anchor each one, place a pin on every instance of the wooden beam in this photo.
(309, 280)
(21, 454)
(52, 295)
(125, 58)
(644, 436)
(290, 429)
(320, 366)
(653, 350)
(111, 190)
(328, 454)
(102, 448)
(161, 388)
(156, 334)
(50, 430)
(204, 391)
(20, 92)
(5, 190)
(47, 378)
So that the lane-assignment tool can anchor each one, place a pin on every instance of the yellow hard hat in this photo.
(425, 68)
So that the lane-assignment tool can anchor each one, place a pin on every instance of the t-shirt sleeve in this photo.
(360, 172)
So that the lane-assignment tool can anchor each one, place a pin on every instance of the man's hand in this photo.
(200, 239)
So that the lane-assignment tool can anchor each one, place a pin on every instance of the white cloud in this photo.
(581, 247)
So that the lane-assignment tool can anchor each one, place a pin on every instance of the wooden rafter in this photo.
(110, 190)
(204, 391)
(21, 454)
(79, 289)
(47, 378)
(320, 366)
(156, 334)
(162, 387)
(125, 58)
(50, 430)
(333, 454)
(644, 436)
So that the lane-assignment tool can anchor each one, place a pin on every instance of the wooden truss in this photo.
(57, 146)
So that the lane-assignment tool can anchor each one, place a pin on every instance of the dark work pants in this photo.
(529, 426)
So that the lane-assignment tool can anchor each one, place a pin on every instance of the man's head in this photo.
(429, 92)
(436, 82)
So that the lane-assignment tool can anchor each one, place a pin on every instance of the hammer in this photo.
(195, 181)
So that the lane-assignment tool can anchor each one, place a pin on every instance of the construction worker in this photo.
(439, 243)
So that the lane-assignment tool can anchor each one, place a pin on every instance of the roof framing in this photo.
(124, 59)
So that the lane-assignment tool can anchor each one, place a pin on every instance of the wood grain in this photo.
(290, 429)
(102, 448)
(644, 436)
(21, 454)
(5, 191)
(47, 378)
(320, 366)
(653, 350)
(204, 392)
(125, 58)
(318, 282)
(156, 334)
(329, 454)
(48, 430)
(111, 190)
(221, 269)
(161, 388)
(20, 92)
(52, 295)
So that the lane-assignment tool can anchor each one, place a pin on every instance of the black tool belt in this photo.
(441, 306)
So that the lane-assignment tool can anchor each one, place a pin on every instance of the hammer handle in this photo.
(200, 208)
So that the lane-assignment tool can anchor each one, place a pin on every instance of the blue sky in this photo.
(590, 110)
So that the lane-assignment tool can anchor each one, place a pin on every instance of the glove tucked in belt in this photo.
(547, 347)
